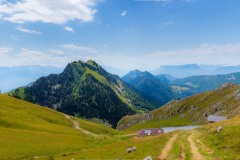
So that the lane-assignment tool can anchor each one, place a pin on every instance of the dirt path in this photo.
(167, 148)
(183, 157)
(76, 126)
(195, 153)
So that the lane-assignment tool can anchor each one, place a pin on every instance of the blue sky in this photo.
(122, 34)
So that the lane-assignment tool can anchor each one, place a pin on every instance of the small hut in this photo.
(214, 118)
(150, 132)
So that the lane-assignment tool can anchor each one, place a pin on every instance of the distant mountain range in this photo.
(13, 77)
(194, 110)
(87, 90)
(165, 88)
(155, 87)
(182, 71)
(197, 84)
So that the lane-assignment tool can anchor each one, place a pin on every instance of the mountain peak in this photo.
(92, 63)
(74, 67)
(86, 90)
(138, 72)
(135, 71)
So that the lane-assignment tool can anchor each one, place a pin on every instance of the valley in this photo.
(192, 110)
(29, 131)
(84, 104)
(119, 80)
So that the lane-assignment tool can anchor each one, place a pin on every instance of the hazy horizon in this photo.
(125, 35)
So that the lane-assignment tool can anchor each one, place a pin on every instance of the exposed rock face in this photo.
(219, 128)
(148, 158)
(139, 118)
(131, 149)
(194, 110)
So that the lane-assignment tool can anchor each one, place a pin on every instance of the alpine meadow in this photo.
(119, 80)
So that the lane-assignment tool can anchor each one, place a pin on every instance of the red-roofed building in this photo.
(150, 132)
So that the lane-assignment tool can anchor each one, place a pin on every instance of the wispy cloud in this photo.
(78, 48)
(15, 38)
(56, 51)
(228, 54)
(69, 29)
(5, 50)
(47, 11)
(20, 28)
(205, 49)
(128, 30)
(164, 1)
(166, 24)
(124, 13)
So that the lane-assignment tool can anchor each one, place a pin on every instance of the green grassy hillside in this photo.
(223, 144)
(197, 84)
(29, 131)
(193, 110)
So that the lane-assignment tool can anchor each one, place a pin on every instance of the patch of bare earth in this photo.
(76, 126)
(167, 148)
(195, 153)
(183, 157)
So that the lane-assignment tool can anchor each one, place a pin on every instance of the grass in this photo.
(181, 146)
(189, 111)
(225, 144)
(97, 76)
(179, 89)
(97, 129)
(144, 147)
(28, 130)
(173, 121)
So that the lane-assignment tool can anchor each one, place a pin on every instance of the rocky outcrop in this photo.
(194, 110)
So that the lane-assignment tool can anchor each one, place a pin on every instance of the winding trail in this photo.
(167, 148)
(195, 153)
(76, 126)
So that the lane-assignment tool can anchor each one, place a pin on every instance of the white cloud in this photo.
(166, 24)
(47, 11)
(124, 13)
(203, 50)
(20, 28)
(204, 54)
(78, 48)
(162, 1)
(56, 51)
(5, 50)
(69, 29)
(15, 38)
(228, 54)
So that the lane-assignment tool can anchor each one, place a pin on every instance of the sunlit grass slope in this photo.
(28, 130)
(194, 110)
(224, 144)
